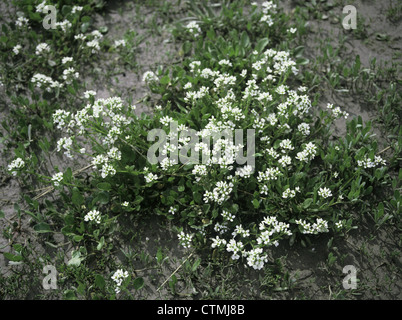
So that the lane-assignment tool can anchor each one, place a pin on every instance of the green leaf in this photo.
(71, 90)
(245, 40)
(101, 243)
(66, 9)
(187, 46)
(196, 264)
(86, 19)
(138, 283)
(104, 29)
(261, 44)
(2, 215)
(12, 257)
(104, 186)
(307, 203)
(102, 197)
(165, 80)
(256, 203)
(100, 281)
(69, 295)
(42, 227)
(84, 27)
(211, 34)
(302, 61)
(77, 198)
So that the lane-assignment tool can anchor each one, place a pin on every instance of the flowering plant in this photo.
(301, 182)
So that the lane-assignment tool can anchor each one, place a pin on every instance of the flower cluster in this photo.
(57, 178)
(42, 48)
(324, 192)
(69, 74)
(220, 193)
(22, 22)
(318, 227)
(185, 239)
(17, 49)
(41, 80)
(93, 215)
(16, 165)
(193, 28)
(337, 112)
(371, 163)
(149, 77)
(118, 277)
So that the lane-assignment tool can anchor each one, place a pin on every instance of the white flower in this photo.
(107, 170)
(93, 215)
(120, 43)
(256, 259)
(288, 193)
(304, 128)
(218, 242)
(319, 226)
(42, 48)
(44, 81)
(149, 77)
(227, 216)
(292, 30)
(66, 144)
(220, 193)
(65, 25)
(89, 93)
(194, 64)
(339, 224)
(166, 120)
(172, 210)
(185, 239)
(66, 60)
(269, 174)
(114, 153)
(324, 192)
(368, 163)
(76, 9)
(69, 74)
(57, 178)
(285, 161)
(22, 22)
(235, 247)
(286, 144)
(225, 62)
(245, 172)
(15, 165)
(80, 36)
(194, 28)
(94, 45)
(40, 7)
(17, 49)
(200, 170)
(149, 177)
(125, 204)
(118, 277)
(241, 231)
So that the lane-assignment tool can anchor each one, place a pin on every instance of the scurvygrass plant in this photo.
(303, 182)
